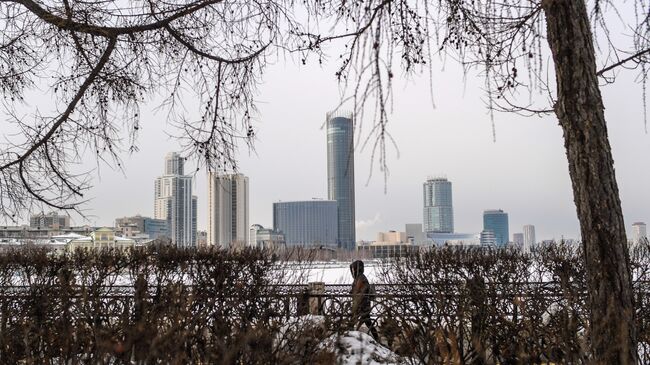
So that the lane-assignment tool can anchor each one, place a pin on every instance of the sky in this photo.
(524, 172)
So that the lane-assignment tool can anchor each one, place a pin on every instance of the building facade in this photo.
(438, 207)
(414, 233)
(228, 212)
(266, 238)
(137, 225)
(174, 202)
(639, 232)
(51, 220)
(529, 237)
(310, 223)
(518, 239)
(496, 220)
(340, 175)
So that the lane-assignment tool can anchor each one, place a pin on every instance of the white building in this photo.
(228, 210)
(639, 232)
(174, 202)
(529, 237)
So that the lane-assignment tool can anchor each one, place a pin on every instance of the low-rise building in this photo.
(100, 238)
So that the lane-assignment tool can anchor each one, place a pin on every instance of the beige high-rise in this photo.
(228, 210)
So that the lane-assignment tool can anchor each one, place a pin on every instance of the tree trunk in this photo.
(580, 111)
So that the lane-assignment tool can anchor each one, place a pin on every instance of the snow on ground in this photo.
(358, 348)
(339, 272)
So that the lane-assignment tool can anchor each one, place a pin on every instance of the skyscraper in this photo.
(497, 222)
(518, 239)
(529, 237)
(174, 202)
(638, 232)
(340, 175)
(438, 210)
(228, 210)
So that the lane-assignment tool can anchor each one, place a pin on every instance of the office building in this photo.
(174, 202)
(529, 237)
(518, 239)
(307, 223)
(138, 225)
(496, 221)
(228, 210)
(639, 232)
(340, 175)
(438, 210)
(452, 239)
(51, 220)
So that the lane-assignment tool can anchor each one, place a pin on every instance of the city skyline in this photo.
(450, 139)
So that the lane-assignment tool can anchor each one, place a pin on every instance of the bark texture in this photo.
(580, 111)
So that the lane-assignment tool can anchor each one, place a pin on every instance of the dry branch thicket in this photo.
(166, 305)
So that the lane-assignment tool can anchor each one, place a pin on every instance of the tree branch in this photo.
(623, 61)
(71, 106)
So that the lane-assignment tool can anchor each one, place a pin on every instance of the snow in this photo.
(359, 348)
(339, 272)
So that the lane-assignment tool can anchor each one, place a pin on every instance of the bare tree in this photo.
(108, 56)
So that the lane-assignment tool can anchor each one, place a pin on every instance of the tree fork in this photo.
(580, 110)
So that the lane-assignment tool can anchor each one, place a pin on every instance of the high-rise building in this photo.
(529, 237)
(438, 210)
(174, 202)
(307, 223)
(639, 232)
(340, 175)
(133, 226)
(266, 238)
(518, 239)
(228, 210)
(497, 222)
(51, 220)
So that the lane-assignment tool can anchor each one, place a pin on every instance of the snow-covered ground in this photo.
(337, 272)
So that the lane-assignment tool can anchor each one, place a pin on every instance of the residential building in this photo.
(138, 225)
(51, 220)
(340, 175)
(266, 238)
(529, 237)
(307, 223)
(438, 206)
(228, 210)
(174, 202)
(639, 232)
(496, 220)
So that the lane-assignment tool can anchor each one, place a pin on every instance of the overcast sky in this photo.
(524, 172)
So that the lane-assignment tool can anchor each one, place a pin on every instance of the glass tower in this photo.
(496, 221)
(438, 210)
(340, 174)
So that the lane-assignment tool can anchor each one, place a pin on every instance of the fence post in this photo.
(316, 289)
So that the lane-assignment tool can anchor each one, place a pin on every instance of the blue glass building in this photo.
(496, 221)
(340, 174)
(307, 223)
